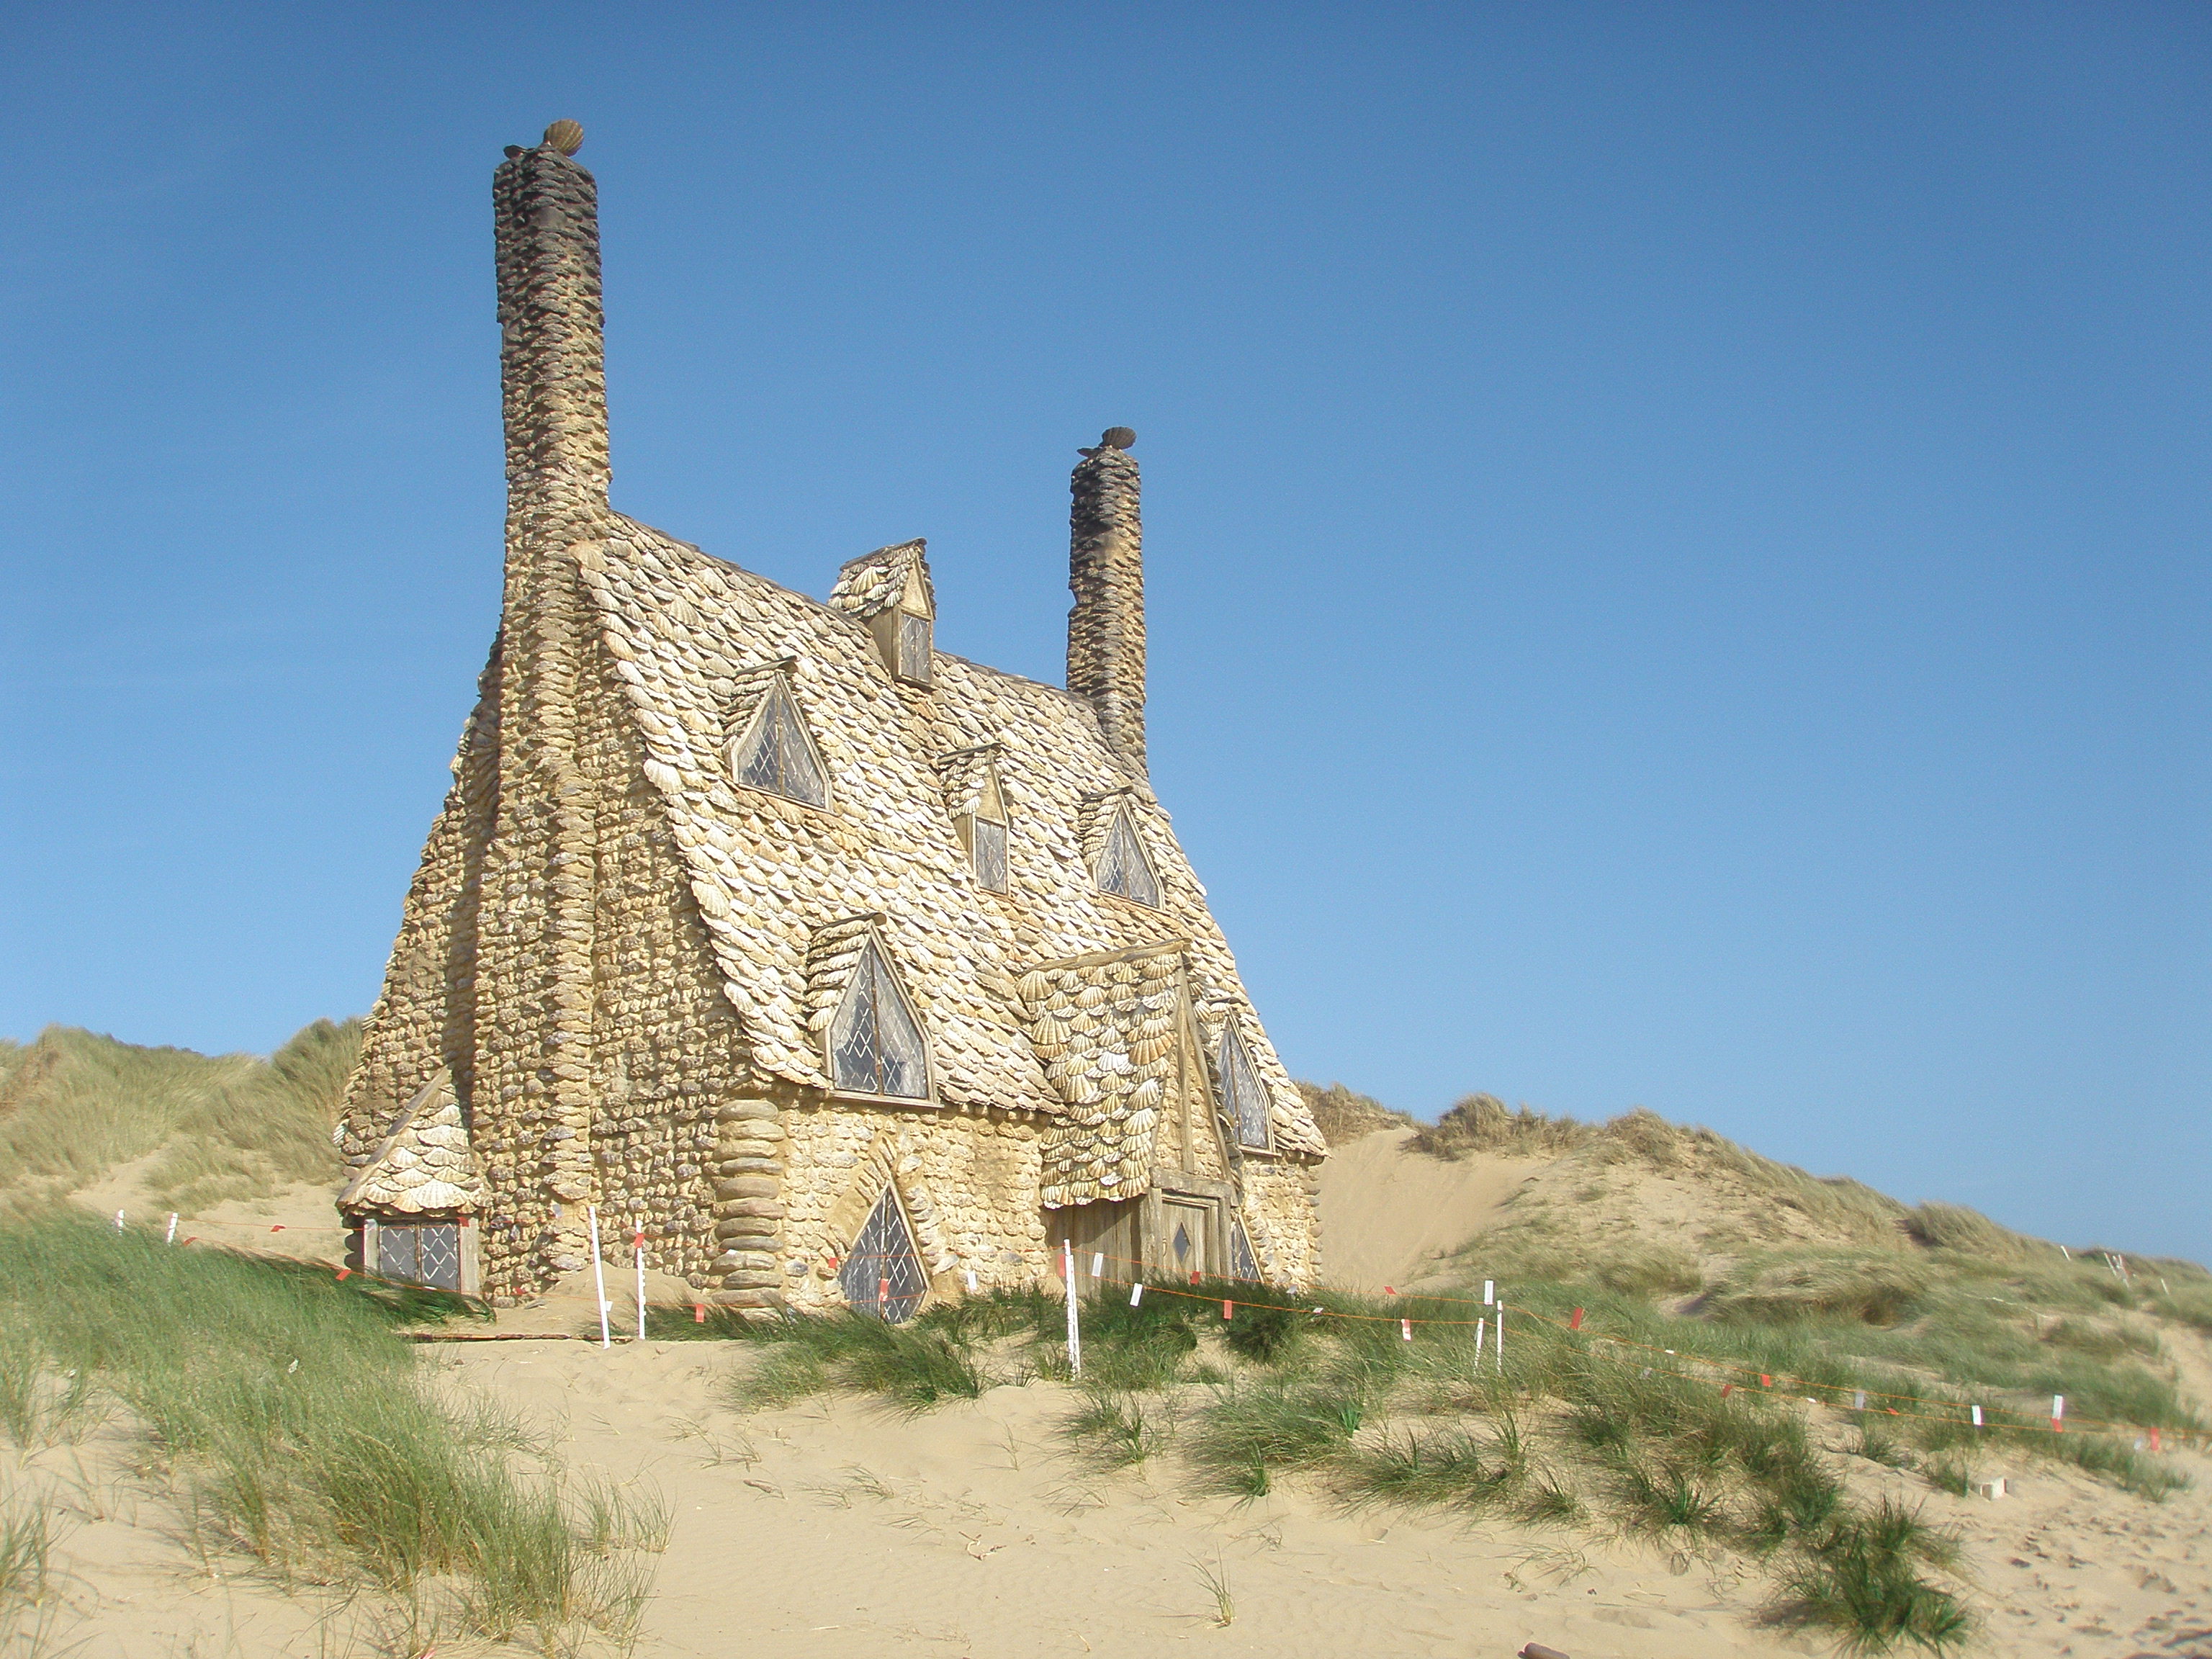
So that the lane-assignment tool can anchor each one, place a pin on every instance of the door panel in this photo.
(1186, 1230)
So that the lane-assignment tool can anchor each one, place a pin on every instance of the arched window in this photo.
(1241, 1096)
(883, 1275)
(776, 754)
(1123, 869)
(875, 1042)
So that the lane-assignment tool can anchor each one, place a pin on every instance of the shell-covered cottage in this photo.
(847, 971)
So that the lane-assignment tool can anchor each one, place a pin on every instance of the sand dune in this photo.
(1387, 1217)
(835, 1529)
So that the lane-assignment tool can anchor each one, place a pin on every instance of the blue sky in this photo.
(1676, 534)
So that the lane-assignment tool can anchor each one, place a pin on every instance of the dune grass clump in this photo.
(916, 1366)
(1860, 1577)
(292, 1425)
(27, 1531)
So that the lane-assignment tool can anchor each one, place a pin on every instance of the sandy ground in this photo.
(835, 1529)
(1387, 1218)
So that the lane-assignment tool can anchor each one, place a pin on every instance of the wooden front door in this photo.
(1187, 1227)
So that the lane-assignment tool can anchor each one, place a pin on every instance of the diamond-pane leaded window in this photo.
(1243, 1263)
(882, 1275)
(775, 753)
(988, 841)
(1241, 1095)
(426, 1253)
(1122, 867)
(914, 659)
(875, 1046)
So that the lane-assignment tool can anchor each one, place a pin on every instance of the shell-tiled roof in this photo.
(1105, 1029)
(874, 582)
(682, 630)
(425, 1165)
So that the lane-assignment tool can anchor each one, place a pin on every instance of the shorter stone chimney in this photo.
(1106, 571)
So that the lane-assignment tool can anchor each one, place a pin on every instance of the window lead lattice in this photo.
(914, 648)
(1123, 869)
(1243, 1263)
(882, 1275)
(1242, 1094)
(988, 841)
(420, 1253)
(875, 1046)
(776, 755)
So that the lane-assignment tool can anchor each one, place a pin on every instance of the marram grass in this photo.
(293, 1427)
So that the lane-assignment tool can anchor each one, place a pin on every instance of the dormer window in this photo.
(902, 629)
(1123, 868)
(875, 1041)
(1242, 1097)
(888, 593)
(775, 753)
(978, 808)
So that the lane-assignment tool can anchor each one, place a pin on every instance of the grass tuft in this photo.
(1861, 1579)
(292, 1425)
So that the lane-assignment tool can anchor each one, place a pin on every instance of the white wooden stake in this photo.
(119, 1221)
(1136, 1292)
(1499, 1346)
(172, 1238)
(637, 1243)
(599, 1279)
(1098, 1264)
(1481, 1330)
(1977, 1417)
(1074, 1330)
(1488, 1286)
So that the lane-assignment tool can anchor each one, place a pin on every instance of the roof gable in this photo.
(872, 584)
(425, 1163)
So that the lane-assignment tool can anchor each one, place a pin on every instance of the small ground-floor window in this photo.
(1242, 1263)
(419, 1252)
(883, 1275)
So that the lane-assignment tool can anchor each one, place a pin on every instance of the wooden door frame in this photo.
(1219, 1197)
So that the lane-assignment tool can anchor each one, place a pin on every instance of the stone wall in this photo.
(967, 1180)
(1282, 1211)
(667, 1048)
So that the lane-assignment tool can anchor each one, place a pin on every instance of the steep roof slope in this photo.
(689, 634)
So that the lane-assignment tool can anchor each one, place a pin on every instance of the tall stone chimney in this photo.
(552, 332)
(1106, 571)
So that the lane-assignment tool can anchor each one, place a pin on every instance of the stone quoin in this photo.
(844, 969)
